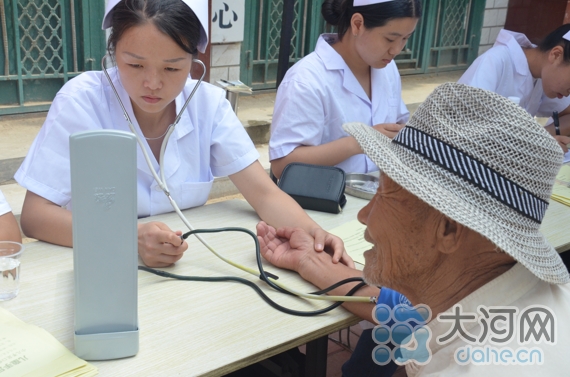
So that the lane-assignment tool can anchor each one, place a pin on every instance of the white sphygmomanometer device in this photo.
(105, 250)
(103, 185)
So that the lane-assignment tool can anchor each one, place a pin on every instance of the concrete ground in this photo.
(255, 112)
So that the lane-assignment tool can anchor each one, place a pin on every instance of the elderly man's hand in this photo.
(286, 247)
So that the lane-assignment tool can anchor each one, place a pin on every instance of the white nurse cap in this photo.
(199, 7)
(360, 3)
(567, 36)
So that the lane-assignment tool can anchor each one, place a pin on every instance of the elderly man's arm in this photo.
(292, 248)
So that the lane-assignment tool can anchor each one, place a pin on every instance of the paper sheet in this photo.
(27, 350)
(234, 86)
(352, 233)
(567, 157)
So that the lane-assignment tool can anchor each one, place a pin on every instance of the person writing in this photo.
(9, 229)
(152, 43)
(350, 77)
(537, 76)
(455, 225)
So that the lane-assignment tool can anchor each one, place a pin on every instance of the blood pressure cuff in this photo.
(315, 187)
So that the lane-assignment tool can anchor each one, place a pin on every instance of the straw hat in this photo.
(481, 160)
(199, 7)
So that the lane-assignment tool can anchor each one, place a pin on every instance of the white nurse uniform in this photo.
(320, 93)
(504, 69)
(208, 141)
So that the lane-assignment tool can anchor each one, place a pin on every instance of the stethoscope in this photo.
(161, 181)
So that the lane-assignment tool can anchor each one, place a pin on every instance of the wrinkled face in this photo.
(402, 228)
(152, 67)
(379, 46)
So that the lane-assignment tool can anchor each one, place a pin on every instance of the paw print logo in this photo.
(403, 328)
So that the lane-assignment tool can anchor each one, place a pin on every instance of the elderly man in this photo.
(455, 226)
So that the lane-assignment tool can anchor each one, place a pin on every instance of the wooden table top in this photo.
(199, 328)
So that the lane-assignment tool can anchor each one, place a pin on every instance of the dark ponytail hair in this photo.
(556, 38)
(172, 17)
(339, 13)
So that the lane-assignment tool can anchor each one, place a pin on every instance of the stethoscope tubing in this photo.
(161, 181)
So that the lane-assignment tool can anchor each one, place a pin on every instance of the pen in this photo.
(556, 122)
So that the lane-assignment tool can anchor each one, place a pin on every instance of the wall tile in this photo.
(490, 4)
(501, 17)
(501, 3)
(490, 18)
(216, 74)
(233, 72)
(493, 34)
(484, 36)
(226, 54)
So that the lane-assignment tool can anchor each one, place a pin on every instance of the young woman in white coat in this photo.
(153, 43)
(350, 77)
(537, 76)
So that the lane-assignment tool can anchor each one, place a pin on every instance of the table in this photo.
(205, 329)
(555, 226)
(190, 328)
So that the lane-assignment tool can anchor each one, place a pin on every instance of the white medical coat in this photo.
(504, 69)
(208, 141)
(320, 93)
(4, 206)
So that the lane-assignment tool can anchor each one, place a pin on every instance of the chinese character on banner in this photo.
(227, 21)
(221, 23)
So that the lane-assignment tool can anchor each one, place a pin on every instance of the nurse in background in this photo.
(538, 75)
(350, 77)
(153, 43)
(9, 229)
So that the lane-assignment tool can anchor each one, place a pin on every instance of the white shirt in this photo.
(4, 206)
(208, 141)
(519, 288)
(320, 93)
(504, 69)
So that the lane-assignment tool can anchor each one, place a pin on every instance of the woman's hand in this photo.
(389, 129)
(324, 241)
(159, 246)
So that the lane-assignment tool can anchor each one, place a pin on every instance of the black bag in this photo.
(315, 187)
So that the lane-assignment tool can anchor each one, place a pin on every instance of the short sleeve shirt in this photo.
(208, 141)
(504, 69)
(320, 93)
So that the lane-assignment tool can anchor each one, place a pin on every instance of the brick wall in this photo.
(493, 21)
(225, 61)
